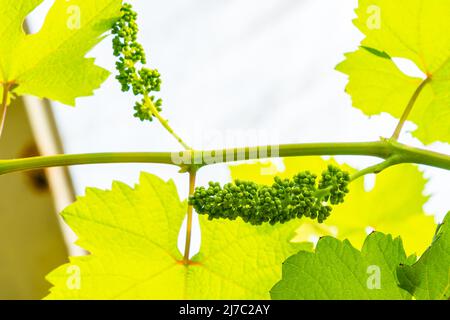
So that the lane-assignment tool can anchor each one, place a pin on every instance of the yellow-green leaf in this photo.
(132, 234)
(51, 63)
(417, 30)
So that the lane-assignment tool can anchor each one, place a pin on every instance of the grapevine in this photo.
(262, 212)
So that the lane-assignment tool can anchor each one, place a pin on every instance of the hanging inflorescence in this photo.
(142, 81)
(285, 200)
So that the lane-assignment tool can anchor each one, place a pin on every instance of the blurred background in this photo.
(236, 73)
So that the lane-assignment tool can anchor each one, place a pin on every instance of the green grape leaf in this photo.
(51, 63)
(394, 205)
(429, 278)
(338, 271)
(132, 235)
(416, 30)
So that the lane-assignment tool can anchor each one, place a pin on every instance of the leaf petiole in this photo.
(408, 109)
(4, 106)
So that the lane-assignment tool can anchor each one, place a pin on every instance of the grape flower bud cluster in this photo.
(285, 200)
(132, 76)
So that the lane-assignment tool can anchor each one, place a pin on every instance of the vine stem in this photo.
(4, 106)
(385, 149)
(377, 168)
(187, 246)
(165, 123)
(408, 109)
